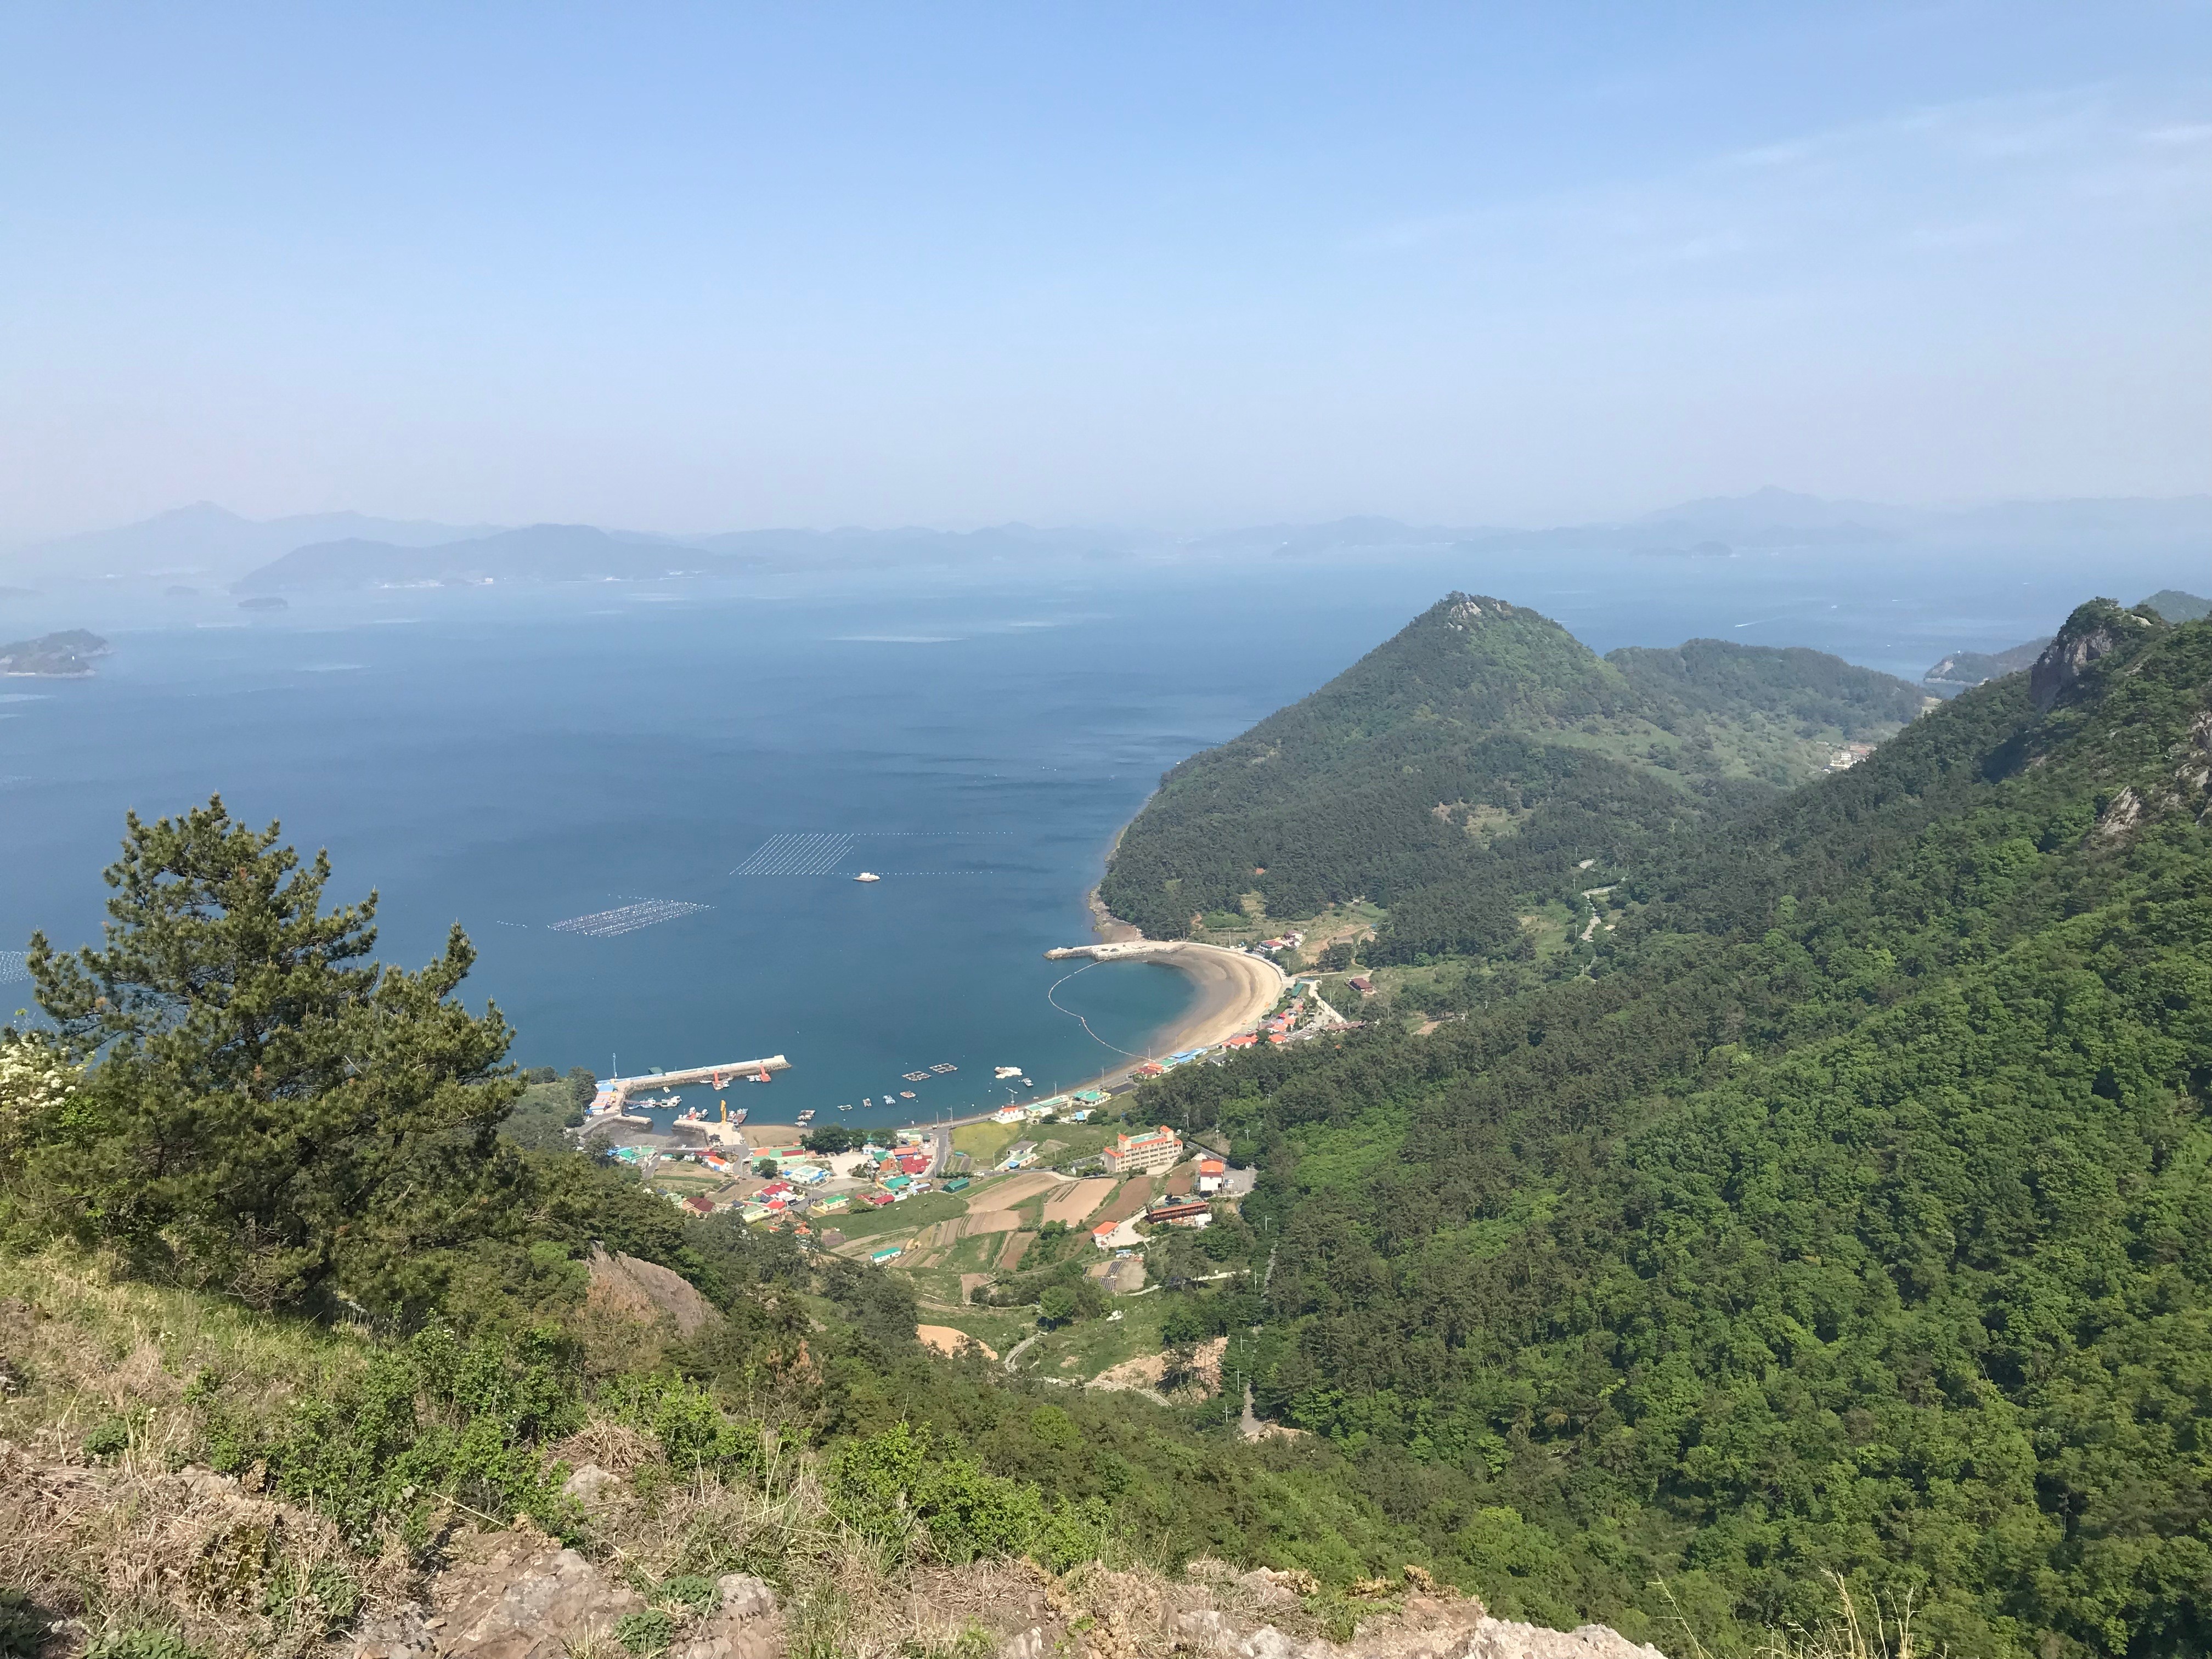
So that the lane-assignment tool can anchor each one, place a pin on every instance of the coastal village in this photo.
(959, 1207)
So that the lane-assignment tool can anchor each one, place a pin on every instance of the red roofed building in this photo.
(1213, 1175)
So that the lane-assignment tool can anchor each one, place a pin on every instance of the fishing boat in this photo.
(806, 1117)
(738, 1117)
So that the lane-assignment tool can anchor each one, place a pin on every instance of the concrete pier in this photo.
(718, 1077)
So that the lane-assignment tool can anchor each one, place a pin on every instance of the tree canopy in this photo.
(263, 1107)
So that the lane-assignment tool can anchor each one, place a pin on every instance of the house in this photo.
(1008, 1114)
(1213, 1175)
(699, 1205)
(889, 1253)
(1181, 1213)
(1139, 1154)
(1242, 1040)
(1103, 1234)
(1362, 984)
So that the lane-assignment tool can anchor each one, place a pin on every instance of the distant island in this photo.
(2177, 606)
(545, 552)
(1962, 671)
(66, 655)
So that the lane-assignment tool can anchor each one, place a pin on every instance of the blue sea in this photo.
(704, 766)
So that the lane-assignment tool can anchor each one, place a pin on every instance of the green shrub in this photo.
(884, 1485)
(691, 1591)
(437, 1419)
(647, 1632)
(141, 1642)
(109, 1438)
(694, 1432)
(23, 1626)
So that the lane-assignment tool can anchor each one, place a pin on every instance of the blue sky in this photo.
(691, 267)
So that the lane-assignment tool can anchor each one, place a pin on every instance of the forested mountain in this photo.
(1849, 1208)
(1477, 759)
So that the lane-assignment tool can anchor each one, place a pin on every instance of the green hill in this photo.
(1474, 762)
(1849, 1209)
(2175, 605)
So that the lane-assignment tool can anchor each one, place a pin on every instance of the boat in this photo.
(807, 1117)
(867, 875)
(906, 1094)
(738, 1117)
(845, 1107)
(1004, 1071)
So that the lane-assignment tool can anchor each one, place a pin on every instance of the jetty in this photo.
(1119, 950)
(716, 1076)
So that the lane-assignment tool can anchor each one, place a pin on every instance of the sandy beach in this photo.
(1235, 991)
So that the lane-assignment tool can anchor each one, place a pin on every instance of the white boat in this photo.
(867, 875)
(1006, 1071)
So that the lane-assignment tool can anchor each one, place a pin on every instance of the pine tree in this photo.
(264, 1108)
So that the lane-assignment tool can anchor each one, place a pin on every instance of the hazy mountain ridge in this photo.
(211, 544)
(214, 544)
(544, 552)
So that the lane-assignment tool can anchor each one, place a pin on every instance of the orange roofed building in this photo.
(1142, 1153)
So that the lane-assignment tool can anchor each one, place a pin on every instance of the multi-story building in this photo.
(1144, 1152)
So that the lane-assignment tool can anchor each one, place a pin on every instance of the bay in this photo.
(732, 752)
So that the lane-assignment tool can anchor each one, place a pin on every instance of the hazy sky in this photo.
(705, 266)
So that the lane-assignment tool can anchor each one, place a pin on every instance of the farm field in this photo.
(1072, 1204)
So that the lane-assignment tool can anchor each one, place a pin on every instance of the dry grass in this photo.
(87, 1348)
(1853, 1631)
(134, 1546)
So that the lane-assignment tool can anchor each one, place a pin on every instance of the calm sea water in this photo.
(513, 760)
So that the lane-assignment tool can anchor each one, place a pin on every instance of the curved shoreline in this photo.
(1235, 989)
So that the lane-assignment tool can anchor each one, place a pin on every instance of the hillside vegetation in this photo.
(1848, 1207)
(258, 1217)
(1468, 767)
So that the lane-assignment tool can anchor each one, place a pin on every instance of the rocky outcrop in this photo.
(1220, 1613)
(2095, 631)
(521, 1596)
(1425, 1627)
(746, 1625)
(513, 1596)
(648, 1292)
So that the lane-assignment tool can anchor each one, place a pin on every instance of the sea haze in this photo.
(512, 759)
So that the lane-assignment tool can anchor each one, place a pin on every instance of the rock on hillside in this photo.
(647, 1292)
(2095, 630)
